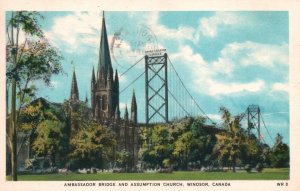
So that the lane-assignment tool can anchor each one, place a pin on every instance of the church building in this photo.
(105, 102)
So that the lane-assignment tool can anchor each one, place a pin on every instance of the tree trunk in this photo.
(233, 164)
(13, 129)
(13, 133)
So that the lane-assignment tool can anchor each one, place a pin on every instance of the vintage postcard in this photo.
(138, 96)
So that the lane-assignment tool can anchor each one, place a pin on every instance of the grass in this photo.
(267, 174)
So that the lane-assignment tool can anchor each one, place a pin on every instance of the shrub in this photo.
(259, 167)
(248, 168)
(165, 170)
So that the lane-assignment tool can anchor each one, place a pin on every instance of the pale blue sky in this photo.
(230, 59)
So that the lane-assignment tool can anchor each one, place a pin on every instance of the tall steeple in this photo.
(74, 88)
(104, 62)
(116, 78)
(126, 114)
(86, 99)
(133, 109)
(117, 113)
(93, 76)
(116, 91)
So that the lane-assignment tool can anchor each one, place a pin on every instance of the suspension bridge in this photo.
(167, 98)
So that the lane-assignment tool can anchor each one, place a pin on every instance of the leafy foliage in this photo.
(48, 138)
(159, 148)
(28, 21)
(177, 145)
(37, 59)
(234, 146)
(91, 146)
(30, 58)
(40, 122)
(280, 153)
(123, 159)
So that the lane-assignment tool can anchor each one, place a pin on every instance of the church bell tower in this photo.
(104, 87)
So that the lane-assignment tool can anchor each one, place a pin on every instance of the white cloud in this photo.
(209, 26)
(123, 105)
(180, 33)
(252, 53)
(276, 113)
(123, 54)
(203, 74)
(217, 88)
(223, 66)
(215, 117)
(280, 87)
(82, 28)
(75, 29)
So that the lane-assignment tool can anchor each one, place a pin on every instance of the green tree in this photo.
(42, 127)
(183, 148)
(205, 141)
(27, 60)
(48, 138)
(231, 142)
(123, 159)
(280, 153)
(252, 153)
(266, 155)
(91, 146)
(159, 147)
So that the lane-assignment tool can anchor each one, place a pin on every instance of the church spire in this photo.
(126, 114)
(117, 113)
(74, 88)
(86, 98)
(133, 108)
(104, 62)
(116, 77)
(93, 76)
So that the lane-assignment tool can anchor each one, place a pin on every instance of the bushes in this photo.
(259, 167)
(248, 167)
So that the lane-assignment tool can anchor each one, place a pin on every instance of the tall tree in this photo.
(48, 137)
(159, 148)
(184, 145)
(43, 128)
(91, 146)
(231, 142)
(29, 57)
(280, 154)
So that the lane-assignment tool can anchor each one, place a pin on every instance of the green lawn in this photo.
(267, 174)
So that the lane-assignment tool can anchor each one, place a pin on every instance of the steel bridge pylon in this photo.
(156, 88)
(253, 114)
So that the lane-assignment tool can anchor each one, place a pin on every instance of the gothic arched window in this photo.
(98, 101)
(104, 102)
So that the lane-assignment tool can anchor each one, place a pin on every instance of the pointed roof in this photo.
(74, 88)
(86, 98)
(133, 108)
(126, 114)
(104, 62)
(133, 102)
(117, 113)
(93, 75)
(116, 77)
(101, 75)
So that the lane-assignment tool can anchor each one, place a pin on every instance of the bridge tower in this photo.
(253, 113)
(156, 87)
